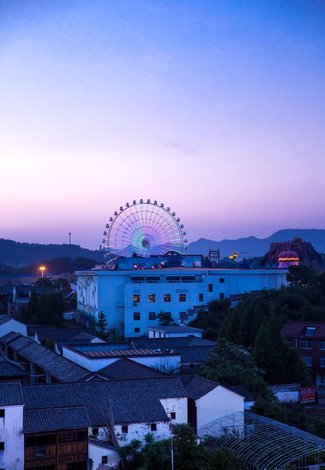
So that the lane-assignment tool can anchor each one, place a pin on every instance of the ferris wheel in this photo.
(143, 229)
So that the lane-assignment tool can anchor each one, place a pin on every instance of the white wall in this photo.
(162, 363)
(140, 430)
(13, 325)
(216, 404)
(178, 406)
(90, 364)
(11, 433)
(96, 452)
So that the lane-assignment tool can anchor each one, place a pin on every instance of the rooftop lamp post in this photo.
(42, 269)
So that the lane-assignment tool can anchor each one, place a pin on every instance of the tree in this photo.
(231, 364)
(45, 309)
(299, 275)
(165, 319)
(101, 326)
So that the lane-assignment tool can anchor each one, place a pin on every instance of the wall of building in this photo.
(11, 433)
(140, 430)
(216, 404)
(13, 325)
(96, 453)
(112, 292)
(177, 406)
(90, 364)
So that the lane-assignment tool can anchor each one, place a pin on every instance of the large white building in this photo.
(132, 299)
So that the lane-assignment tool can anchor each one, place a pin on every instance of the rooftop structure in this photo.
(174, 331)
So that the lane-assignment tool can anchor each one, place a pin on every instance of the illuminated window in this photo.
(136, 316)
(182, 297)
(152, 297)
(308, 361)
(152, 315)
(167, 297)
(136, 298)
(305, 343)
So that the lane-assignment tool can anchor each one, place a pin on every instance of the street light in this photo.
(42, 269)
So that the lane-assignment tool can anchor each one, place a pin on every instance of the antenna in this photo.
(70, 245)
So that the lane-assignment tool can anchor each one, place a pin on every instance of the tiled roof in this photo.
(197, 386)
(176, 329)
(167, 343)
(10, 368)
(125, 353)
(55, 419)
(11, 394)
(135, 401)
(240, 390)
(54, 333)
(298, 328)
(4, 319)
(57, 366)
(9, 337)
(128, 369)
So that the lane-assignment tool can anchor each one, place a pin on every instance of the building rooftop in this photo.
(55, 365)
(96, 351)
(176, 329)
(55, 419)
(45, 333)
(10, 368)
(136, 401)
(11, 394)
(304, 329)
(197, 386)
(127, 369)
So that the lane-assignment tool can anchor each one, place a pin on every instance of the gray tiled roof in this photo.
(163, 343)
(11, 394)
(9, 337)
(10, 368)
(57, 366)
(54, 333)
(135, 401)
(128, 369)
(55, 419)
(176, 329)
(197, 386)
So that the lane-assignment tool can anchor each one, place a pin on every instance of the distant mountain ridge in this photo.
(249, 247)
(20, 254)
(24, 254)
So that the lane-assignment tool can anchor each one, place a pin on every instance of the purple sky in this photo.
(214, 107)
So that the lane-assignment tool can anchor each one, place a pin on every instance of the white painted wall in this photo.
(11, 433)
(140, 430)
(96, 452)
(178, 406)
(90, 364)
(216, 404)
(13, 325)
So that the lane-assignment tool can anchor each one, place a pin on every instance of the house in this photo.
(131, 299)
(208, 400)
(41, 364)
(193, 351)
(309, 338)
(95, 357)
(174, 331)
(11, 426)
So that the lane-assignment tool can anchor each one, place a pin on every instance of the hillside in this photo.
(24, 254)
(250, 247)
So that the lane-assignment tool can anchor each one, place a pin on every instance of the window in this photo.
(200, 297)
(182, 297)
(222, 280)
(322, 361)
(136, 298)
(104, 459)
(221, 296)
(2, 446)
(210, 287)
(152, 297)
(310, 331)
(305, 343)
(136, 330)
(308, 361)
(167, 297)
(153, 426)
(322, 344)
(72, 437)
(136, 316)
(125, 429)
(2, 413)
(95, 432)
(152, 315)
(173, 415)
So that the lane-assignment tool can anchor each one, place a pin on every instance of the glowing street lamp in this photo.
(42, 269)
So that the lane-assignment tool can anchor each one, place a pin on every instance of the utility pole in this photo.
(70, 245)
(171, 443)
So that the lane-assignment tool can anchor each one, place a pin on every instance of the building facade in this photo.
(132, 299)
